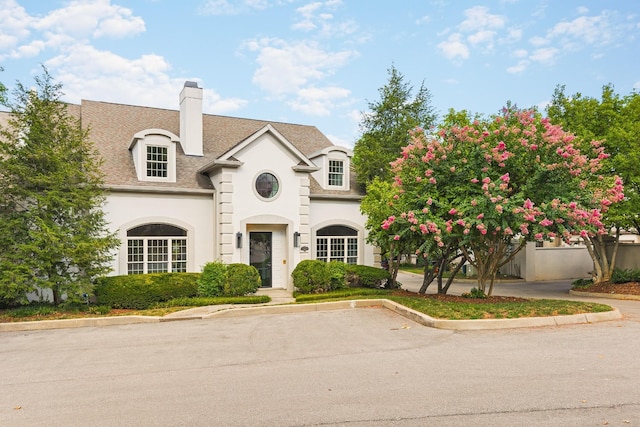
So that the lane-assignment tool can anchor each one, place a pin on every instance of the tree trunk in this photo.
(602, 263)
(427, 278)
(443, 290)
(394, 266)
(57, 298)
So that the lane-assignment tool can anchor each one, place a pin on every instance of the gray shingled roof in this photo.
(112, 126)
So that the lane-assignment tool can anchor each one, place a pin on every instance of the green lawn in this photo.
(39, 311)
(473, 309)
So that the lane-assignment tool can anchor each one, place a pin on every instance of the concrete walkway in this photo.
(278, 297)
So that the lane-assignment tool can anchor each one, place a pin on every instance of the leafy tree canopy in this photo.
(385, 128)
(615, 121)
(53, 233)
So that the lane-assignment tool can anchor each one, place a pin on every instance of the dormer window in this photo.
(154, 155)
(336, 173)
(334, 165)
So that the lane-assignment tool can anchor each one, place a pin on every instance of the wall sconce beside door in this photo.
(239, 240)
(296, 239)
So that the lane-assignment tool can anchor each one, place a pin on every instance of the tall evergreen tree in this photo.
(3, 91)
(385, 128)
(53, 233)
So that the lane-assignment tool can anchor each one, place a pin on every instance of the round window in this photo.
(267, 185)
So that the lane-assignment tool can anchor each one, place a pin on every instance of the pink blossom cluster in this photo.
(483, 202)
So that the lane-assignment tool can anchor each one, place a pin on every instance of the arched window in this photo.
(337, 243)
(156, 248)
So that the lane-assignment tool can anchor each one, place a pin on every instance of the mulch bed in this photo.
(629, 288)
(494, 299)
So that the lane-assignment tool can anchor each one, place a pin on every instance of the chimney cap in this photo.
(189, 83)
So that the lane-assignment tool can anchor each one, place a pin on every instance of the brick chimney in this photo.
(191, 119)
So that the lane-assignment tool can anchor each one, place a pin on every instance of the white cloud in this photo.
(582, 10)
(520, 53)
(108, 77)
(318, 101)
(15, 24)
(286, 67)
(29, 50)
(423, 20)
(519, 67)
(545, 55)
(484, 37)
(292, 70)
(584, 29)
(479, 18)
(341, 142)
(538, 41)
(513, 35)
(480, 29)
(319, 16)
(453, 48)
(78, 21)
(99, 18)
(236, 7)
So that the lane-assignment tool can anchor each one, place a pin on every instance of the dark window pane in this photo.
(156, 230)
(337, 230)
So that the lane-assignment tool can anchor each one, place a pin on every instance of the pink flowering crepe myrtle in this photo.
(485, 183)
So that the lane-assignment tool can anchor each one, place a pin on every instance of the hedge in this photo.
(315, 276)
(141, 291)
(364, 276)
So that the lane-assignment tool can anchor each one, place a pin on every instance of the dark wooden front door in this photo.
(260, 255)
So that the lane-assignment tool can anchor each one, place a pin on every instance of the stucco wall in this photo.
(628, 256)
(125, 210)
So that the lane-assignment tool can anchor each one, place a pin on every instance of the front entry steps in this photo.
(277, 295)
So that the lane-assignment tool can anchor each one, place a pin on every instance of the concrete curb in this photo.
(423, 319)
(602, 295)
(76, 323)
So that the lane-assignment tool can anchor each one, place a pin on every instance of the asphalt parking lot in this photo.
(364, 367)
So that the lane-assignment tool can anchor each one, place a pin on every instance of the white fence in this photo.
(560, 263)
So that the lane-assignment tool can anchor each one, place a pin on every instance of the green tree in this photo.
(53, 234)
(3, 91)
(385, 129)
(377, 206)
(615, 121)
(482, 185)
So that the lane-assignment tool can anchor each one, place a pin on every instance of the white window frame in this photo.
(338, 248)
(143, 259)
(157, 161)
(335, 174)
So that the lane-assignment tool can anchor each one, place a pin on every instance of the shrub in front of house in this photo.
(212, 280)
(141, 291)
(241, 279)
(364, 276)
(338, 273)
(311, 277)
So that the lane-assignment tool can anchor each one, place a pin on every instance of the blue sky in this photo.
(321, 62)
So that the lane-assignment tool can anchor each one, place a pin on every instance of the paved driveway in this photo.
(365, 367)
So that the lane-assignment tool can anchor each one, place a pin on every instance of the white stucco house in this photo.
(186, 188)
